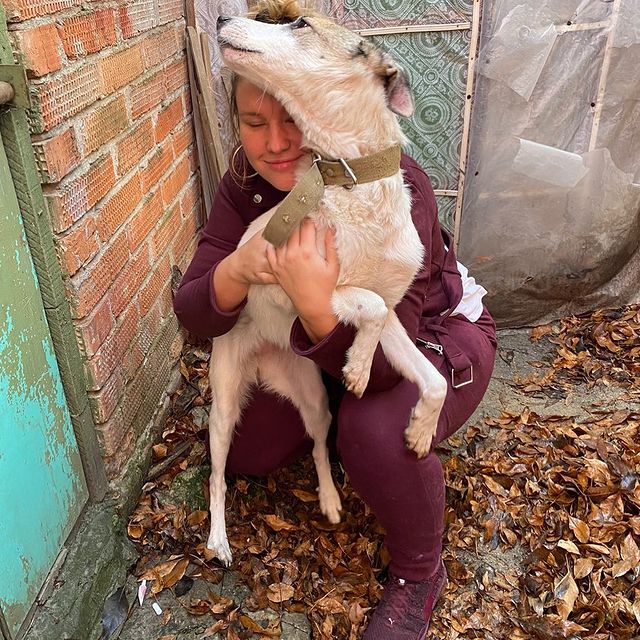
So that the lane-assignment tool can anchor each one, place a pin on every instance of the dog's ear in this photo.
(398, 91)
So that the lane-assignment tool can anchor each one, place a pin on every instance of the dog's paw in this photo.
(356, 377)
(330, 504)
(220, 546)
(418, 438)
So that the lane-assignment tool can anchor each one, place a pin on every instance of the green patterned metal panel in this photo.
(365, 14)
(446, 211)
(437, 66)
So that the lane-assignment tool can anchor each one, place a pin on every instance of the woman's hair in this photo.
(274, 12)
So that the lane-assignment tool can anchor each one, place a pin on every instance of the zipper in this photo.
(430, 345)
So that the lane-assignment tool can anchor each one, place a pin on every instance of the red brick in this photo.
(69, 202)
(188, 231)
(104, 402)
(145, 219)
(137, 16)
(56, 156)
(169, 10)
(152, 290)
(119, 69)
(89, 33)
(182, 139)
(168, 119)
(159, 47)
(131, 149)
(130, 280)
(91, 284)
(119, 207)
(176, 75)
(111, 435)
(111, 353)
(17, 10)
(40, 49)
(190, 197)
(183, 262)
(65, 95)
(96, 328)
(172, 185)
(147, 95)
(157, 166)
(104, 123)
(78, 246)
(115, 465)
(165, 231)
(186, 99)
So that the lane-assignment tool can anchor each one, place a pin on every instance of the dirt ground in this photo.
(497, 590)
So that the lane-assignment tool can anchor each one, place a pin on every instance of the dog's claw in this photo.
(422, 425)
(356, 379)
(330, 505)
(220, 548)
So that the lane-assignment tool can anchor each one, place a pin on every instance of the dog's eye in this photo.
(299, 23)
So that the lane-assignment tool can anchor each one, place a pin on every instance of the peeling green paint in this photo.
(42, 488)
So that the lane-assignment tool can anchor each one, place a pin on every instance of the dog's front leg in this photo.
(405, 357)
(367, 311)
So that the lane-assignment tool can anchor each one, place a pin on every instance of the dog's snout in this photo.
(221, 20)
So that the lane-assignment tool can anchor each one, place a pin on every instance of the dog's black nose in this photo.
(222, 20)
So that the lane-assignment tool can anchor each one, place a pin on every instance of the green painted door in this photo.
(42, 487)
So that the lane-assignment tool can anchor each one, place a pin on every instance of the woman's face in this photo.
(270, 139)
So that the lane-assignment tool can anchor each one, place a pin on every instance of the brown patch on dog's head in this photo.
(276, 11)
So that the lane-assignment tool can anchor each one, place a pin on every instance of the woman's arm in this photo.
(214, 287)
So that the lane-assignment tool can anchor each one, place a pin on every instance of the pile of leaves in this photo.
(290, 556)
(602, 347)
(543, 519)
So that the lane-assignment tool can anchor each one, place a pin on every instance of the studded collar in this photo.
(308, 192)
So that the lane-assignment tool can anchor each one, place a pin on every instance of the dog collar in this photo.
(308, 192)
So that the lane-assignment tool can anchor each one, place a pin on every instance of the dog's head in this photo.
(324, 75)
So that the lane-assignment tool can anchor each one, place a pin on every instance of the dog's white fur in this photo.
(340, 90)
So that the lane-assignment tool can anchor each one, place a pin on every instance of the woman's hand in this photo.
(247, 265)
(308, 276)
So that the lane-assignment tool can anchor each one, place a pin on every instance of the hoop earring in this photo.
(244, 165)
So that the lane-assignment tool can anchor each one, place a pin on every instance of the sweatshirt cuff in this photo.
(232, 313)
(330, 353)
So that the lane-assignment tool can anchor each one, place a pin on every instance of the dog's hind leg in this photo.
(367, 311)
(406, 358)
(299, 379)
(229, 381)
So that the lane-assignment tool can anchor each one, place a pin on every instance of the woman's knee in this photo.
(372, 427)
(270, 435)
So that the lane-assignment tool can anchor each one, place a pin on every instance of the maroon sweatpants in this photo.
(407, 494)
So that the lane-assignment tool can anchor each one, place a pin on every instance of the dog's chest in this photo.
(374, 233)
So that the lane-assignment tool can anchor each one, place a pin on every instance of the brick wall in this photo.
(114, 143)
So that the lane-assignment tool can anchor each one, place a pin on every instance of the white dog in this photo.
(341, 91)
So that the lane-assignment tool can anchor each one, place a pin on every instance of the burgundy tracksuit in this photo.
(406, 493)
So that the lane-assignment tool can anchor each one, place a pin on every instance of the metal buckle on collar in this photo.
(348, 171)
(461, 384)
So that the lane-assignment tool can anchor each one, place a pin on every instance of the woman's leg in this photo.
(406, 493)
(269, 436)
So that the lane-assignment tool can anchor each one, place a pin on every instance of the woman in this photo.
(454, 331)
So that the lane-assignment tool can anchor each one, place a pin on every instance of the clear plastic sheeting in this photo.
(551, 216)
